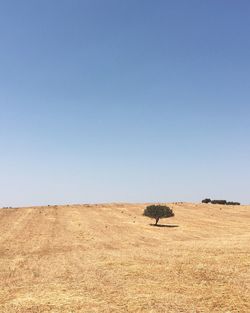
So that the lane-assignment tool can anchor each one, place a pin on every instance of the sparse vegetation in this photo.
(157, 212)
(206, 200)
(75, 259)
(233, 203)
(222, 202)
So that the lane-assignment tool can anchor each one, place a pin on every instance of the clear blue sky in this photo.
(130, 100)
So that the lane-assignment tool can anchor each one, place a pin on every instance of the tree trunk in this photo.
(156, 221)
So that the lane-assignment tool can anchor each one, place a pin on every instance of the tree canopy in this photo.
(158, 211)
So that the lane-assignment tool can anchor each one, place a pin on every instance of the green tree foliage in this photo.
(158, 211)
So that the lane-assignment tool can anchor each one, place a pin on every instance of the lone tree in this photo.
(157, 212)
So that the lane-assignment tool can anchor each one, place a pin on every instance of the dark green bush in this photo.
(206, 200)
(219, 202)
(158, 211)
(223, 202)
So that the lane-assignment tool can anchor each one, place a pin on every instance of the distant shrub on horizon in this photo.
(206, 200)
(222, 202)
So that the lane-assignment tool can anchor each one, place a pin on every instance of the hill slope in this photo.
(107, 258)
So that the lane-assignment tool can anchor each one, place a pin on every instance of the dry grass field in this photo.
(107, 258)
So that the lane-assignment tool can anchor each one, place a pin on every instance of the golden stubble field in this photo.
(107, 258)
